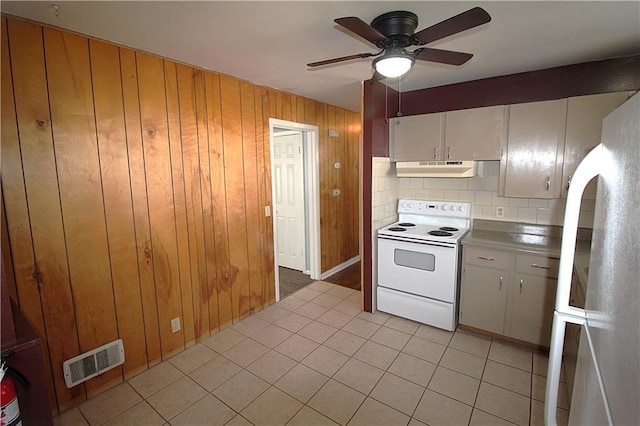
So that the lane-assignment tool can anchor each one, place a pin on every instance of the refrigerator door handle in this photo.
(587, 170)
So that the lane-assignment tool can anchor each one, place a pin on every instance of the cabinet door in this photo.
(416, 137)
(584, 131)
(535, 146)
(532, 302)
(483, 298)
(475, 134)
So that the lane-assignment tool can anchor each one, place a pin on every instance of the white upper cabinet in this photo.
(584, 129)
(416, 137)
(535, 146)
(539, 144)
(475, 134)
(471, 134)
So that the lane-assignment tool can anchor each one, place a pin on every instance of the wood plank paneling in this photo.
(342, 221)
(50, 268)
(80, 187)
(253, 213)
(114, 167)
(210, 294)
(137, 175)
(134, 190)
(194, 201)
(261, 192)
(267, 105)
(235, 188)
(157, 158)
(325, 187)
(219, 200)
(23, 279)
(354, 127)
(180, 208)
(331, 173)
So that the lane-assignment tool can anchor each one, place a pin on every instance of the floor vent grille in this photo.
(93, 363)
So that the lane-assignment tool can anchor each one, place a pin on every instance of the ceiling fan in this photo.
(393, 32)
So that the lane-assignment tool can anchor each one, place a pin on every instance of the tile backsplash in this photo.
(480, 191)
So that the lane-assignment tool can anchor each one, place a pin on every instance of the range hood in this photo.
(450, 169)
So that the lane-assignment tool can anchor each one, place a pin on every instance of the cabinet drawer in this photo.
(486, 257)
(537, 265)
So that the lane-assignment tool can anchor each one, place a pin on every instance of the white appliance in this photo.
(419, 262)
(607, 381)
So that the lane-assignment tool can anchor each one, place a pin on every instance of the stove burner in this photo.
(397, 229)
(438, 233)
(407, 224)
(448, 228)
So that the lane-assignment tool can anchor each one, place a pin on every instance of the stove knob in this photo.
(444, 207)
(461, 208)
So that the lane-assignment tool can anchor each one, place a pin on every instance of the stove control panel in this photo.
(434, 208)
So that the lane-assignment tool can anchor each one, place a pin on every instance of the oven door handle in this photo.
(425, 243)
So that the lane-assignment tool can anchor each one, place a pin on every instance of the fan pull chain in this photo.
(386, 104)
(399, 96)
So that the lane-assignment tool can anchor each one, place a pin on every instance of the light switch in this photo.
(267, 211)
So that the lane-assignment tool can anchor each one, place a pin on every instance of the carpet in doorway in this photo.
(292, 280)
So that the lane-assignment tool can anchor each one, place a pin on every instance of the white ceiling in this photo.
(269, 43)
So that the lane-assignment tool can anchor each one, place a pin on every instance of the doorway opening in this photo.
(295, 197)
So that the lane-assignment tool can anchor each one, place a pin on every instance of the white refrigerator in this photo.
(606, 388)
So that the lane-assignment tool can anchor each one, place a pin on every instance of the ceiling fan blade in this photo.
(442, 56)
(364, 30)
(341, 59)
(464, 21)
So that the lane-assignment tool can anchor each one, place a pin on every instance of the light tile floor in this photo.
(315, 359)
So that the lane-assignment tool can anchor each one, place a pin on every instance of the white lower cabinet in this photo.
(484, 298)
(532, 304)
(509, 293)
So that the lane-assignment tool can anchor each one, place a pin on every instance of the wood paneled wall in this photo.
(134, 190)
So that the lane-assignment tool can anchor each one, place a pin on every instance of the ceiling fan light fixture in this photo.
(394, 65)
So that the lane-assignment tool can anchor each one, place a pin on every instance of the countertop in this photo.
(525, 237)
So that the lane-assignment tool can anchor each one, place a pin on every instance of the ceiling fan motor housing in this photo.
(397, 26)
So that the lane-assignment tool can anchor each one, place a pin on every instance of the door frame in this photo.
(311, 171)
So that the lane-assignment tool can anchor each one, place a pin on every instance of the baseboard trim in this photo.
(340, 267)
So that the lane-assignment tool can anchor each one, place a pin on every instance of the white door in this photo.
(289, 203)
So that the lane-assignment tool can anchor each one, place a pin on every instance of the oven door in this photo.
(423, 269)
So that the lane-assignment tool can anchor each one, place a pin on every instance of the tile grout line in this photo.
(349, 357)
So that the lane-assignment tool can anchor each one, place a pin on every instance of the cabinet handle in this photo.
(500, 283)
(568, 182)
(521, 282)
(435, 152)
(491, 259)
(535, 265)
(448, 153)
(548, 182)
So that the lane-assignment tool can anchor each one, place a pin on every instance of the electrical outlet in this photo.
(175, 325)
(499, 211)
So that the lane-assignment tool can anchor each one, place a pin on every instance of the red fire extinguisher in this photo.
(10, 413)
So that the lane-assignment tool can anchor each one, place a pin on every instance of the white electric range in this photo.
(419, 259)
